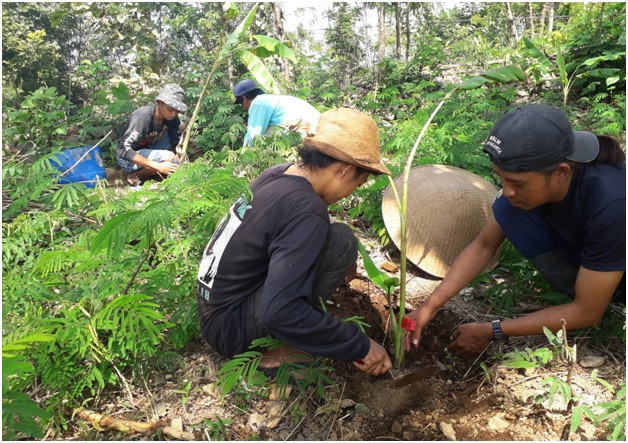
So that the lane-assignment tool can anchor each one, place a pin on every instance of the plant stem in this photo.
(402, 206)
(128, 286)
(188, 128)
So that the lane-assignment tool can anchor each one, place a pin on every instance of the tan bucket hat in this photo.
(350, 136)
(447, 208)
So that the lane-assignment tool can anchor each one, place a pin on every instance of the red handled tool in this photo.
(408, 324)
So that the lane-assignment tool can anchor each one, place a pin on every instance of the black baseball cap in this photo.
(242, 88)
(532, 137)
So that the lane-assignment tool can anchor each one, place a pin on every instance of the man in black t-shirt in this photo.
(151, 135)
(274, 257)
(563, 206)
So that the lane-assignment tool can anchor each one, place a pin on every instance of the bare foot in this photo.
(133, 179)
(273, 358)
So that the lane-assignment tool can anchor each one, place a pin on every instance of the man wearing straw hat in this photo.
(151, 135)
(267, 111)
(563, 206)
(275, 257)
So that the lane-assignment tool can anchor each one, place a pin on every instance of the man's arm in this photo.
(471, 261)
(259, 119)
(594, 290)
(165, 168)
(137, 127)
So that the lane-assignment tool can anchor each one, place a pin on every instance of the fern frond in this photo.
(117, 232)
(128, 317)
(240, 368)
(54, 261)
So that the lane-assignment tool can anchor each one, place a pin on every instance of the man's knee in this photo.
(557, 271)
(342, 238)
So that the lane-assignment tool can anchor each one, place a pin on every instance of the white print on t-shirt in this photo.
(219, 241)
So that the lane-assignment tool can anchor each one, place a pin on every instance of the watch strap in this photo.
(498, 334)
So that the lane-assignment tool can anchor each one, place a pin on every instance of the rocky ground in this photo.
(449, 398)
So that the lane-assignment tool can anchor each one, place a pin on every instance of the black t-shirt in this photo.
(589, 224)
(273, 241)
(141, 132)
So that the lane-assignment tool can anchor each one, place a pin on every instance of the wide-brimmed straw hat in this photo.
(447, 208)
(350, 136)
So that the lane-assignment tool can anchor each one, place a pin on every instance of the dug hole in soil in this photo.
(457, 399)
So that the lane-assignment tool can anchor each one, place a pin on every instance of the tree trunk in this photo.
(381, 26)
(397, 30)
(278, 18)
(543, 14)
(381, 23)
(531, 19)
(407, 31)
(511, 19)
(599, 23)
(550, 19)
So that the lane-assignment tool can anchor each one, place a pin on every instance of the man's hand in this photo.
(166, 168)
(352, 273)
(376, 361)
(471, 339)
(422, 316)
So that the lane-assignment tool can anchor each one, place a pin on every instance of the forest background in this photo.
(98, 284)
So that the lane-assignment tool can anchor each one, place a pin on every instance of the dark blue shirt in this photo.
(589, 224)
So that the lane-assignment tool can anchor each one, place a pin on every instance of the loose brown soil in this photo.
(458, 400)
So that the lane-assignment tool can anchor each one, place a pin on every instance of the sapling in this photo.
(612, 75)
(504, 74)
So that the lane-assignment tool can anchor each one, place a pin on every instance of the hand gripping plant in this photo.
(505, 74)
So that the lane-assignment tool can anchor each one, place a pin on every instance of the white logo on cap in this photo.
(494, 143)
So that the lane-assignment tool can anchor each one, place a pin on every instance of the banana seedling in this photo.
(504, 74)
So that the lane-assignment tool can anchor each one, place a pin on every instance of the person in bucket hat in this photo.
(563, 207)
(276, 256)
(149, 140)
(268, 111)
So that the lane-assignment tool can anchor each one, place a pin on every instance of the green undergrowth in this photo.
(109, 280)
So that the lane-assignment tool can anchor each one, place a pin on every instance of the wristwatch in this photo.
(498, 334)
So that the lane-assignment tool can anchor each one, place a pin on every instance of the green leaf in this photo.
(537, 53)
(378, 277)
(267, 42)
(26, 342)
(473, 82)
(553, 339)
(282, 50)
(273, 47)
(560, 62)
(606, 57)
(121, 92)
(234, 37)
(259, 70)
(505, 74)
(113, 234)
(576, 418)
